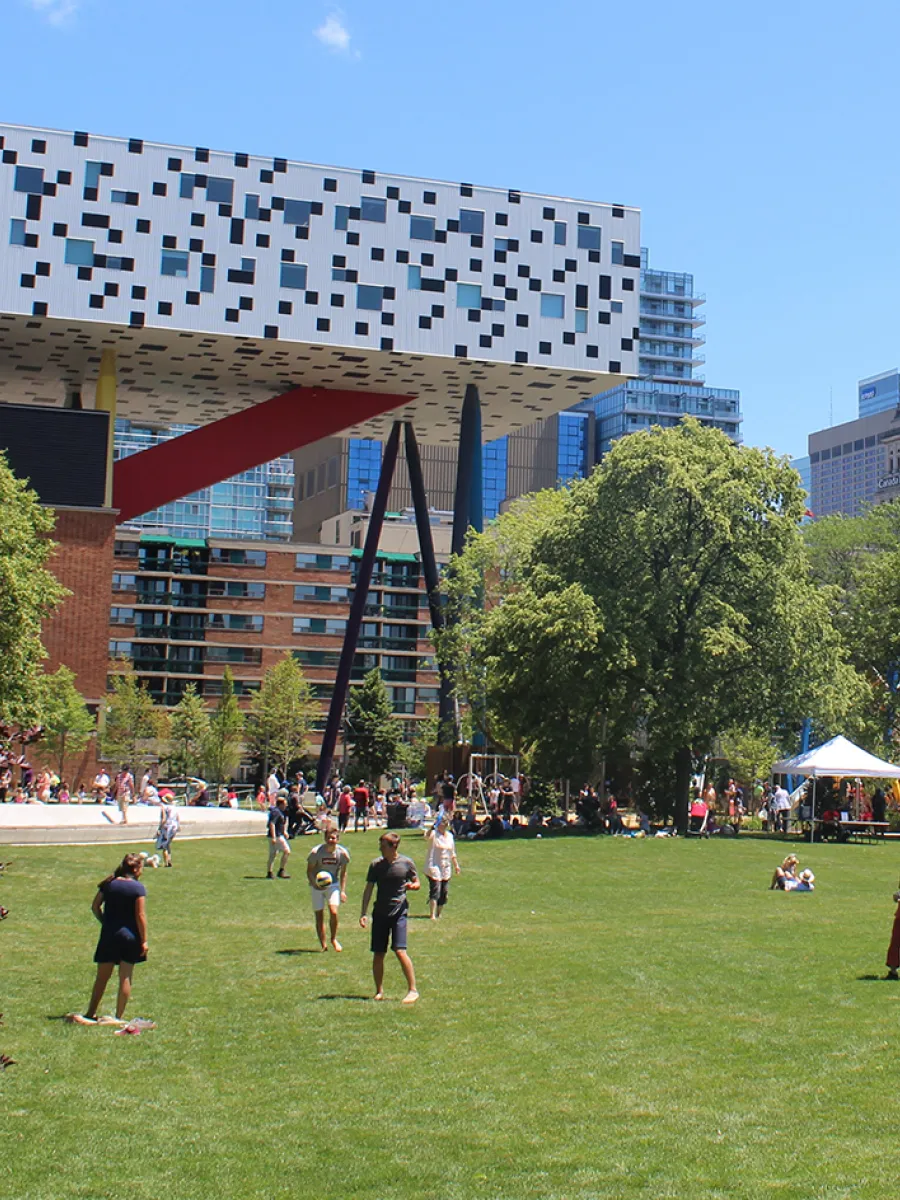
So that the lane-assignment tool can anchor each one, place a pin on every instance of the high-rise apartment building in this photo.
(255, 504)
(847, 463)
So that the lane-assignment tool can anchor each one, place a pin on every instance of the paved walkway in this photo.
(83, 824)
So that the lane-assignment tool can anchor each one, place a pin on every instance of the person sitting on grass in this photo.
(785, 874)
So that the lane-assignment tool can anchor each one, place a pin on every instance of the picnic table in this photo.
(868, 831)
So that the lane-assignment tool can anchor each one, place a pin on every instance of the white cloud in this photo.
(56, 12)
(334, 34)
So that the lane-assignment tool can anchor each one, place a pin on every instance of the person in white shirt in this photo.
(440, 863)
(273, 785)
(781, 806)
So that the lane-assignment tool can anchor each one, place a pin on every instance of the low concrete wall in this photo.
(80, 824)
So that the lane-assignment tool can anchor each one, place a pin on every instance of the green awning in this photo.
(387, 556)
(156, 539)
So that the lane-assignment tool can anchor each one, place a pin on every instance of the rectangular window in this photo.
(237, 588)
(293, 275)
(468, 295)
(581, 320)
(121, 616)
(341, 216)
(588, 237)
(414, 278)
(297, 212)
(79, 253)
(421, 229)
(251, 207)
(219, 190)
(29, 179)
(315, 591)
(471, 221)
(616, 306)
(369, 297)
(246, 623)
(617, 253)
(123, 583)
(238, 558)
(186, 187)
(373, 209)
(207, 279)
(120, 649)
(92, 172)
(559, 233)
(17, 233)
(552, 305)
(309, 624)
(174, 262)
(117, 197)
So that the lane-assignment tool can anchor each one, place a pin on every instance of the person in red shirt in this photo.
(361, 805)
(344, 807)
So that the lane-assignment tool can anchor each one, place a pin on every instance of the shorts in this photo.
(437, 890)
(388, 929)
(322, 896)
(164, 837)
(119, 946)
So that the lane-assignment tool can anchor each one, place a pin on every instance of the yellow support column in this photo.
(106, 402)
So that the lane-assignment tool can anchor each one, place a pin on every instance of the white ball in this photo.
(539, 836)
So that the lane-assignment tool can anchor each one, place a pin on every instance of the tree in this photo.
(29, 593)
(373, 732)
(189, 729)
(751, 753)
(283, 711)
(412, 753)
(134, 724)
(223, 743)
(68, 726)
(670, 591)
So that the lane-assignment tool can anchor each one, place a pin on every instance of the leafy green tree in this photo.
(135, 726)
(68, 726)
(750, 753)
(189, 730)
(29, 593)
(224, 740)
(283, 711)
(670, 591)
(373, 732)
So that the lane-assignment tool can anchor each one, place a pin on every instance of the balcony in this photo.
(667, 335)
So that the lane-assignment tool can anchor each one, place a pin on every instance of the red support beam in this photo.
(246, 439)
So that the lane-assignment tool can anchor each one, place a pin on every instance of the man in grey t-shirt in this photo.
(333, 858)
(393, 876)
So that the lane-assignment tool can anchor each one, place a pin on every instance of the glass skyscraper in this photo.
(879, 393)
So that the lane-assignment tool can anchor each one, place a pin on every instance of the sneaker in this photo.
(269, 875)
(281, 875)
(410, 998)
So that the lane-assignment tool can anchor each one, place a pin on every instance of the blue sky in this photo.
(757, 139)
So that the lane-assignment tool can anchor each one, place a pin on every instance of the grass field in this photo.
(599, 1018)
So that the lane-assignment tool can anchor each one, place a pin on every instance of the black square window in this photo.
(169, 242)
(278, 203)
(39, 309)
(571, 264)
(429, 198)
(524, 270)
(388, 292)
(159, 189)
(232, 315)
(404, 206)
(285, 308)
(142, 226)
(270, 331)
(592, 352)
(96, 301)
(534, 285)
(311, 297)
(536, 235)
(368, 176)
(106, 169)
(452, 226)
(266, 176)
(208, 260)
(362, 328)
(110, 289)
(323, 324)
(27, 281)
(337, 300)
(437, 310)
(461, 351)
(475, 315)
(559, 277)
(522, 320)
(615, 367)
(627, 285)
(387, 343)
(501, 219)
(451, 274)
(499, 281)
(603, 318)
(139, 293)
(352, 239)
(465, 189)
(80, 139)
(33, 209)
(9, 156)
(174, 164)
(49, 189)
(521, 356)
(60, 230)
(497, 331)
(476, 241)
(42, 268)
(302, 233)
(584, 218)
(499, 256)
(474, 264)
(192, 298)
(289, 256)
(485, 340)
(627, 344)
(198, 219)
(241, 160)
(279, 166)
(393, 193)
(329, 185)
(424, 322)
(137, 320)
(63, 178)
(568, 339)
(201, 154)
(31, 241)
(85, 273)
(514, 196)
(618, 211)
(593, 255)
(549, 214)
(511, 293)
(377, 254)
(387, 318)
(115, 236)
(164, 308)
(545, 348)
(246, 303)
(402, 256)
(262, 240)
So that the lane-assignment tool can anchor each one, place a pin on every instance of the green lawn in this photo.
(599, 1018)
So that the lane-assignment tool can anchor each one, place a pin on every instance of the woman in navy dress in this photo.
(119, 906)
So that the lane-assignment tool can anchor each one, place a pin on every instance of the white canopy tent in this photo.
(839, 758)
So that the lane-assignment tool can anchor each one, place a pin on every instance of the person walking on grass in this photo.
(893, 954)
(119, 907)
(275, 827)
(440, 863)
(168, 827)
(334, 859)
(393, 875)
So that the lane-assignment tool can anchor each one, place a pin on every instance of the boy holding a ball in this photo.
(332, 859)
